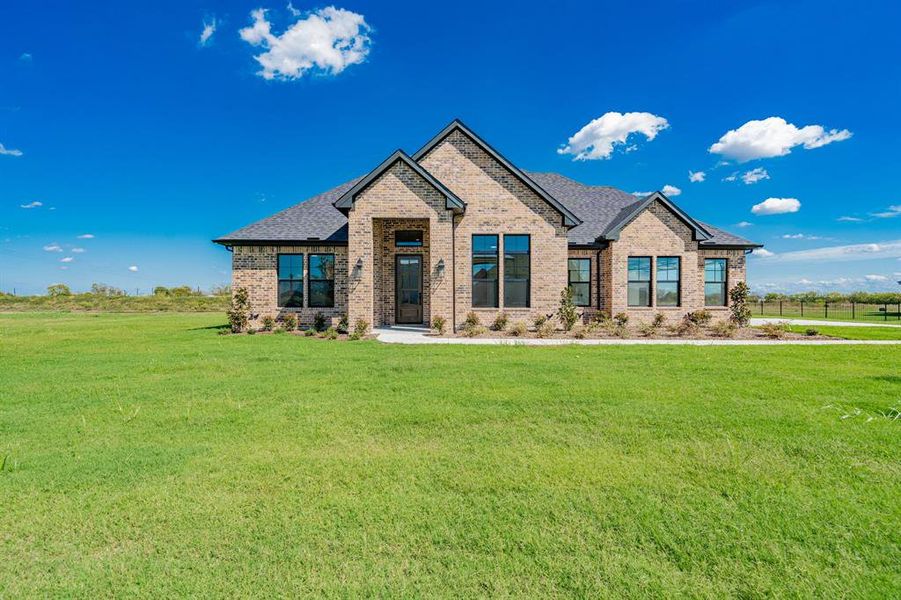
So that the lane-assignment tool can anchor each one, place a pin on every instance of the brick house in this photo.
(456, 227)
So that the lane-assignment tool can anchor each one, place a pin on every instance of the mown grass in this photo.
(101, 303)
(852, 333)
(148, 456)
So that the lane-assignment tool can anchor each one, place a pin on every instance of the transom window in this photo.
(715, 282)
(639, 292)
(484, 271)
(517, 269)
(322, 280)
(580, 280)
(668, 281)
(408, 238)
(290, 280)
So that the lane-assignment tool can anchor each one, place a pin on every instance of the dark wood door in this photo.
(408, 288)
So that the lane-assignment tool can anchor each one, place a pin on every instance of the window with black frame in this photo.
(579, 280)
(408, 238)
(517, 271)
(639, 286)
(668, 281)
(484, 271)
(290, 280)
(322, 280)
(715, 282)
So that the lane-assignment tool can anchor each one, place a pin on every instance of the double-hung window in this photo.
(322, 280)
(484, 271)
(639, 292)
(290, 280)
(516, 271)
(580, 280)
(668, 281)
(715, 282)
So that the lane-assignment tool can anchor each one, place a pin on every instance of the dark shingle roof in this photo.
(598, 207)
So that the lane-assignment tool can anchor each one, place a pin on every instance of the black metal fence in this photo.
(838, 311)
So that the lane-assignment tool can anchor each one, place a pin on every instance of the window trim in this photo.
(311, 280)
(472, 255)
(678, 303)
(504, 274)
(650, 282)
(279, 280)
(724, 282)
(413, 245)
(570, 282)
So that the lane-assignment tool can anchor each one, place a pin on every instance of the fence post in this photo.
(885, 312)
(826, 310)
(802, 308)
(780, 308)
(853, 311)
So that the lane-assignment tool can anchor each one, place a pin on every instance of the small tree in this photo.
(741, 312)
(161, 290)
(238, 311)
(58, 289)
(568, 312)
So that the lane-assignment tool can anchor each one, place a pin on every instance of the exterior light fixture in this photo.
(440, 268)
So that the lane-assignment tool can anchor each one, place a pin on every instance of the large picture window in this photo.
(668, 281)
(639, 293)
(484, 271)
(322, 280)
(408, 238)
(516, 271)
(580, 280)
(290, 280)
(715, 282)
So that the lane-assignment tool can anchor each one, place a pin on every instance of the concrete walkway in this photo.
(417, 335)
(820, 322)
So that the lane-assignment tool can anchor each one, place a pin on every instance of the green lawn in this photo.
(145, 455)
(853, 333)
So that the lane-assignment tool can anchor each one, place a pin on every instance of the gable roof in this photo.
(347, 198)
(569, 218)
(630, 213)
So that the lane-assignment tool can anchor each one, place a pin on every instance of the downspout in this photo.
(453, 274)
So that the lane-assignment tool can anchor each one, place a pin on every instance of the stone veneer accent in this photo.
(256, 268)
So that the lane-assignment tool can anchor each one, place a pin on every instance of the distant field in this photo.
(853, 333)
(144, 455)
(95, 303)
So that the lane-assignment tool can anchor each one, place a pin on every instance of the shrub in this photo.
(251, 331)
(580, 332)
(473, 330)
(659, 320)
(278, 330)
(268, 323)
(58, 289)
(518, 329)
(500, 321)
(289, 322)
(343, 325)
(621, 330)
(686, 328)
(319, 323)
(546, 329)
(811, 331)
(775, 331)
(309, 332)
(539, 320)
(699, 317)
(101, 289)
(600, 317)
(567, 312)
(237, 312)
(621, 319)
(472, 319)
(647, 329)
(740, 311)
(724, 329)
(439, 324)
(361, 328)
(330, 334)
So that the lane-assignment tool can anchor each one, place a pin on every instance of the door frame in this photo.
(397, 320)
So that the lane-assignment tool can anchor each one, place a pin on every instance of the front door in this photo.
(408, 288)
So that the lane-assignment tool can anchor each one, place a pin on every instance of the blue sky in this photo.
(119, 122)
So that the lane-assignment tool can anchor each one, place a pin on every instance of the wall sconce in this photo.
(439, 268)
(358, 268)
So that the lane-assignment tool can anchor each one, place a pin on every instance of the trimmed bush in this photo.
(500, 321)
(309, 332)
(319, 322)
(811, 331)
(725, 329)
(699, 317)
(268, 323)
(775, 331)
(546, 329)
(289, 322)
(518, 329)
(567, 312)
(740, 311)
(439, 324)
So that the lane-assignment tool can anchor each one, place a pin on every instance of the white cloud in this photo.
(890, 212)
(743, 224)
(327, 40)
(849, 219)
(133, 268)
(598, 139)
(800, 236)
(889, 249)
(670, 190)
(4, 151)
(54, 247)
(66, 259)
(754, 175)
(86, 236)
(776, 206)
(209, 28)
(732, 177)
(763, 253)
(875, 277)
(34, 204)
(804, 282)
(696, 176)
(294, 12)
(773, 137)
(78, 250)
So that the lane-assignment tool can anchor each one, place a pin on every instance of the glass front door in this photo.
(408, 288)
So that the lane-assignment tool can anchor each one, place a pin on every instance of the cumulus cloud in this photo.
(743, 224)
(206, 35)
(133, 268)
(875, 277)
(890, 212)
(763, 253)
(78, 250)
(34, 204)
(889, 249)
(598, 139)
(4, 151)
(66, 259)
(776, 206)
(326, 41)
(54, 247)
(754, 175)
(696, 176)
(86, 236)
(670, 190)
(294, 12)
(772, 137)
